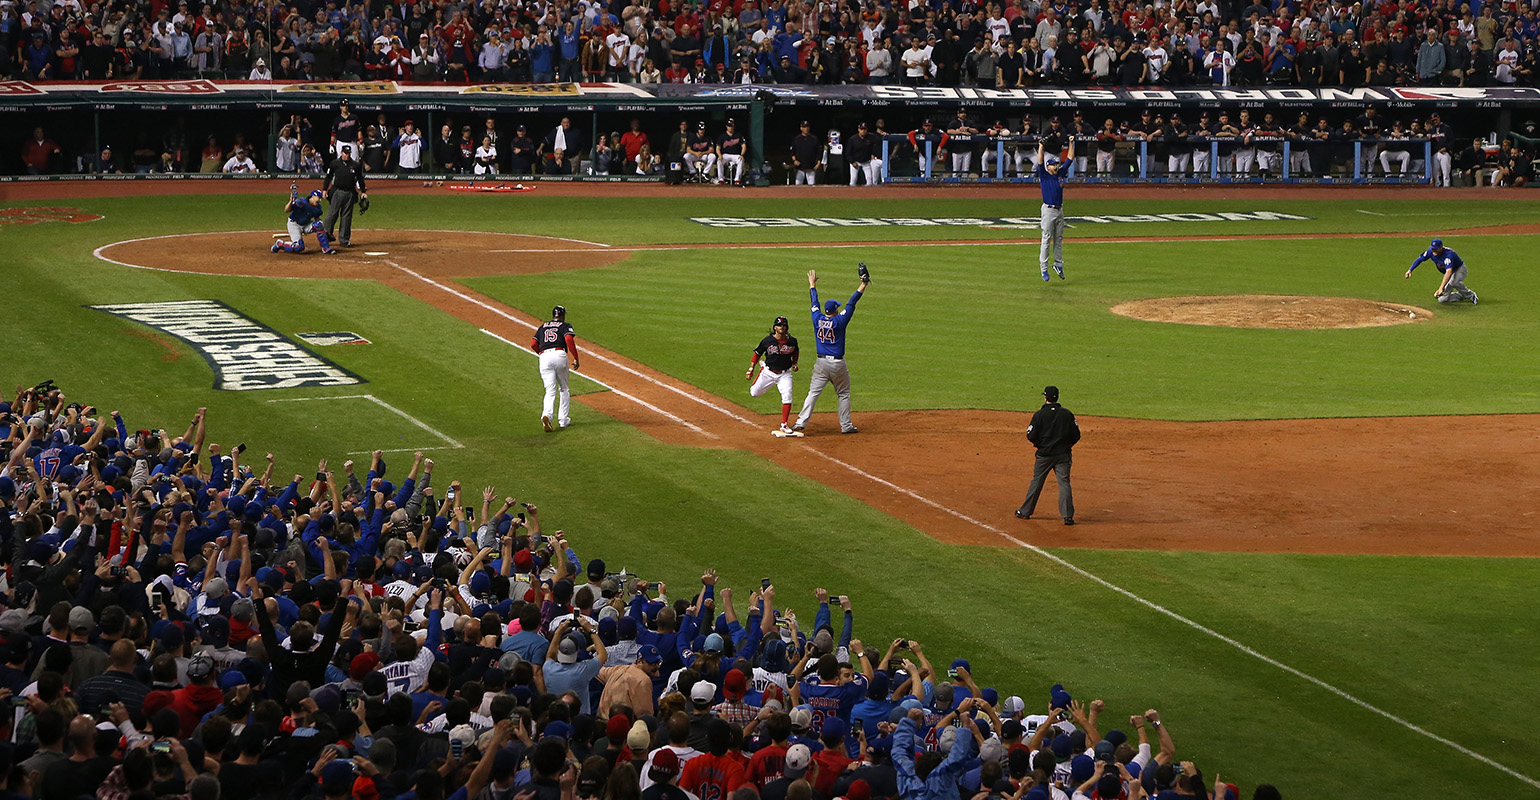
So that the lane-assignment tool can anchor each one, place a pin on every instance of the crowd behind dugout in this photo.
(180, 624)
(1160, 143)
(1012, 43)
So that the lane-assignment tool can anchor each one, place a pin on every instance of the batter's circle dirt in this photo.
(1287, 312)
(436, 254)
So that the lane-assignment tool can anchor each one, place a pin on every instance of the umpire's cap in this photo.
(1051, 393)
(778, 322)
(559, 312)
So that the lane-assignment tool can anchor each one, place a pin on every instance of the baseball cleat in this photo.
(851, 429)
(330, 252)
(798, 427)
(1022, 515)
(1069, 522)
(1474, 299)
(546, 423)
(1045, 274)
(1059, 268)
(276, 247)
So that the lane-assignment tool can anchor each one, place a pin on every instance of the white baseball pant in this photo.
(872, 169)
(1200, 161)
(1387, 156)
(1443, 168)
(827, 370)
(1104, 161)
(1179, 163)
(766, 378)
(702, 163)
(1268, 160)
(1299, 162)
(806, 177)
(730, 163)
(962, 162)
(1245, 159)
(553, 373)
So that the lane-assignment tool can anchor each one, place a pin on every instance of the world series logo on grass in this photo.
(244, 353)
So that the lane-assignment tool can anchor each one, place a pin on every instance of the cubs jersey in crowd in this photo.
(1444, 261)
(778, 355)
(832, 701)
(830, 331)
(304, 212)
(552, 336)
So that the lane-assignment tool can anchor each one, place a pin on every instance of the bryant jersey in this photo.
(552, 336)
(304, 212)
(778, 355)
(408, 676)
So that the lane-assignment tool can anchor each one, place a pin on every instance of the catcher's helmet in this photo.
(316, 193)
(780, 321)
(559, 312)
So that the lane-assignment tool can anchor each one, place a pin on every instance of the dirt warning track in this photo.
(1350, 486)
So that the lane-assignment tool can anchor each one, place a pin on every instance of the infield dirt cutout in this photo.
(1287, 312)
(1282, 486)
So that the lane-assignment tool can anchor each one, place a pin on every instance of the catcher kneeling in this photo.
(304, 217)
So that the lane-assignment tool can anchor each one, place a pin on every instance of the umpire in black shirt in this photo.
(344, 186)
(1054, 431)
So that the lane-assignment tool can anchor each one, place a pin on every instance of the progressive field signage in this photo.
(244, 353)
(966, 222)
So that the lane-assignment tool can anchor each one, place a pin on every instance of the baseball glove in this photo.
(363, 206)
(866, 277)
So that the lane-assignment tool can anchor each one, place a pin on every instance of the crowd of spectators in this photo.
(1006, 43)
(175, 623)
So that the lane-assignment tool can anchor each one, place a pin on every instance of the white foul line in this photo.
(450, 442)
(1457, 747)
(632, 398)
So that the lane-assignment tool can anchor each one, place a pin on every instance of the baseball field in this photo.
(1306, 491)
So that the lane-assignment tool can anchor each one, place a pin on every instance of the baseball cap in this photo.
(1013, 705)
(714, 643)
(798, 758)
(81, 619)
(201, 666)
(703, 692)
(1052, 393)
(665, 763)
(638, 736)
(649, 654)
(567, 651)
(1435, 243)
(801, 718)
(829, 308)
(232, 679)
(734, 685)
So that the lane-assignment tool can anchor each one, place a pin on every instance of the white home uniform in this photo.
(551, 342)
(780, 361)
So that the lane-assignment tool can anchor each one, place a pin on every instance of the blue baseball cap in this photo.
(829, 307)
(1438, 243)
(649, 654)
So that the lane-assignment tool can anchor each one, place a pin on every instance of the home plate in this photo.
(376, 253)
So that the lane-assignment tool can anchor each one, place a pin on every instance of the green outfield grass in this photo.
(1445, 643)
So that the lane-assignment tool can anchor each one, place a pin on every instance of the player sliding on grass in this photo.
(1452, 288)
(304, 217)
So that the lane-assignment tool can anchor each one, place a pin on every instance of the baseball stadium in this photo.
(270, 432)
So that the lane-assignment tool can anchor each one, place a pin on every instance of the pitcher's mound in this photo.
(1293, 312)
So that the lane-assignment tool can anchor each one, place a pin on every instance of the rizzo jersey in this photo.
(552, 336)
(778, 355)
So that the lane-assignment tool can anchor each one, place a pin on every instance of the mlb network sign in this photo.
(877, 222)
(244, 353)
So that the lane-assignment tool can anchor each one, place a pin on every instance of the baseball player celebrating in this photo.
(556, 344)
(779, 351)
(1452, 288)
(1052, 222)
(829, 324)
(304, 217)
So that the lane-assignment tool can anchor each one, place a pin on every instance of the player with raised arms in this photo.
(829, 324)
(779, 350)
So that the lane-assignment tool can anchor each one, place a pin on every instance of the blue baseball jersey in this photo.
(830, 331)
(1444, 261)
(1053, 188)
(303, 212)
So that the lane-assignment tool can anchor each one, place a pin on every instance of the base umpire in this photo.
(1054, 431)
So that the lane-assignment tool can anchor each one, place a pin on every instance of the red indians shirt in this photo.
(712, 777)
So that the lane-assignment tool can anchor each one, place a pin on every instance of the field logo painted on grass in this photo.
(919, 222)
(244, 353)
(329, 339)
(34, 215)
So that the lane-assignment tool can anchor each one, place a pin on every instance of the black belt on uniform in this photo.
(1051, 205)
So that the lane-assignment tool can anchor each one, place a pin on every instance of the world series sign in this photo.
(244, 353)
